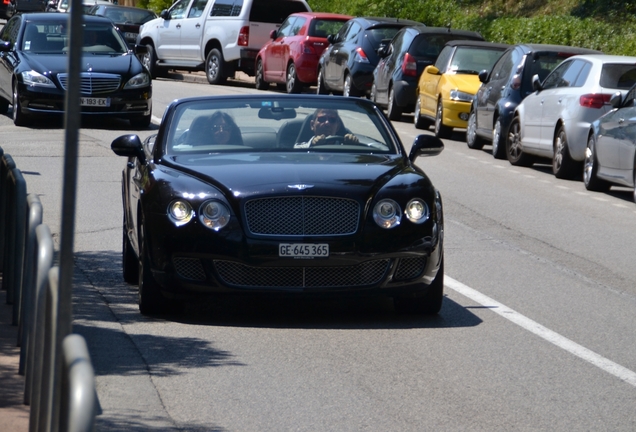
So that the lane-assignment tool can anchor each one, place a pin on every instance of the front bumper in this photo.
(453, 111)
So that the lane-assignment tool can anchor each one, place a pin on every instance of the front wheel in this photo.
(429, 304)
(394, 111)
(214, 67)
(418, 119)
(514, 148)
(441, 131)
(472, 139)
(348, 89)
(590, 169)
(293, 85)
(259, 79)
(498, 142)
(149, 60)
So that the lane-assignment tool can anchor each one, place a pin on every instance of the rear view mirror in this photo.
(276, 113)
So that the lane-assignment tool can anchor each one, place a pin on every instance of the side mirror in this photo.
(483, 76)
(273, 34)
(616, 100)
(140, 49)
(332, 38)
(431, 70)
(536, 83)
(383, 51)
(425, 145)
(165, 14)
(6, 46)
(129, 146)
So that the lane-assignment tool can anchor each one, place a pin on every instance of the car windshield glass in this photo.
(472, 60)
(618, 76)
(129, 15)
(325, 27)
(47, 37)
(378, 34)
(278, 125)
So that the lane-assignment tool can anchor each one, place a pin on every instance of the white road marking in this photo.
(526, 323)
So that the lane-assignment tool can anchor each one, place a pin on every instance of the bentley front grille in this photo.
(409, 268)
(94, 83)
(297, 216)
(189, 268)
(363, 274)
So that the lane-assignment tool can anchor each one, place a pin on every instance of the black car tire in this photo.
(348, 88)
(372, 96)
(4, 106)
(473, 141)
(151, 301)
(498, 141)
(394, 112)
(514, 149)
(130, 261)
(590, 168)
(259, 78)
(320, 85)
(441, 131)
(563, 166)
(293, 85)
(149, 59)
(428, 304)
(19, 118)
(214, 67)
(418, 119)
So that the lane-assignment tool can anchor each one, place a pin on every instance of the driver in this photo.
(325, 123)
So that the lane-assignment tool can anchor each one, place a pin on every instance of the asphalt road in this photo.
(536, 331)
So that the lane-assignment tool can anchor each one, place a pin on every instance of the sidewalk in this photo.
(14, 415)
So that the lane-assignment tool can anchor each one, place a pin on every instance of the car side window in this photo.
(10, 30)
(444, 57)
(585, 71)
(286, 27)
(570, 76)
(178, 10)
(501, 68)
(197, 8)
(353, 31)
(630, 97)
(226, 8)
(555, 78)
(298, 24)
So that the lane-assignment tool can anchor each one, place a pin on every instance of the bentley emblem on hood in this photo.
(300, 186)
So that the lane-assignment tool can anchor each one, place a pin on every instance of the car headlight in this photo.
(387, 213)
(417, 211)
(180, 212)
(214, 215)
(33, 78)
(457, 95)
(139, 80)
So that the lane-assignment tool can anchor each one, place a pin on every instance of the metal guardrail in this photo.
(59, 377)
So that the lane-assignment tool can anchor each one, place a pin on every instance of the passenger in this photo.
(219, 128)
(325, 123)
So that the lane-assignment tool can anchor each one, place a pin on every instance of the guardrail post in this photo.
(35, 360)
(27, 305)
(77, 408)
(6, 165)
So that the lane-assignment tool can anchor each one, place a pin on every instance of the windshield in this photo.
(52, 37)
(278, 125)
(472, 60)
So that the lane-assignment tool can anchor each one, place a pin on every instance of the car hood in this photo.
(248, 174)
(120, 64)
(463, 82)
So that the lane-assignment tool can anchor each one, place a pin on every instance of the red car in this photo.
(291, 57)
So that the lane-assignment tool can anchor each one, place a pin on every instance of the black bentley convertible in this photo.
(251, 194)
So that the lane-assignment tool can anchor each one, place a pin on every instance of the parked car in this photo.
(7, 9)
(219, 37)
(347, 65)
(29, 5)
(337, 218)
(505, 86)
(64, 5)
(446, 89)
(127, 19)
(291, 56)
(402, 62)
(554, 121)
(34, 74)
(610, 156)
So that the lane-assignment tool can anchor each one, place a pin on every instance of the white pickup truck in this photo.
(217, 36)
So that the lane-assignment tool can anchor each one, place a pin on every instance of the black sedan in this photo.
(280, 194)
(347, 65)
(505, 86)
(34, 75)
(127, 19)
(610, 157)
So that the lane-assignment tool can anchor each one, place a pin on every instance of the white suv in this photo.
(218, 36)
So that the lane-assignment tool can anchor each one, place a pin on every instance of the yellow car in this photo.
(446, 89)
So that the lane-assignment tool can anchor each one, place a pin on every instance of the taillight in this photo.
(595, 100)
(361, 56)
(244, 36)
(409, 65)
(6, 2)
(308, 47)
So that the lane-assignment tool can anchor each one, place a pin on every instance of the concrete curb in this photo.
(199, 77)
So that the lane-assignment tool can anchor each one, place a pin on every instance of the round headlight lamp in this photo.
(214, 215)
(417, 211)
(387, 213)
(180, 212)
